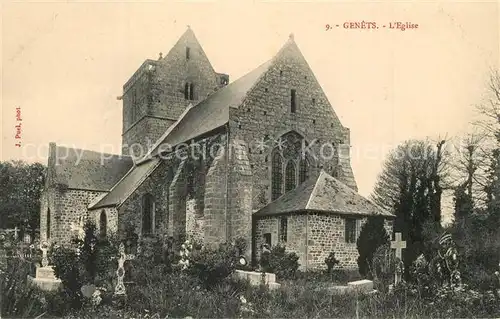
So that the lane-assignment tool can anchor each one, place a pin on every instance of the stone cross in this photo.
(45, 260)
(120, 272)
(398, 244)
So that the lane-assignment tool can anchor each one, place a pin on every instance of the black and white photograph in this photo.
(250, 159)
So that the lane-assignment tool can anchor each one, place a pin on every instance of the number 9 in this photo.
(328, 27)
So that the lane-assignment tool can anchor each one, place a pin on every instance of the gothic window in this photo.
(293, 102)
(290, 181)
(48, 223)
(187, 53)
(303, 167)
(283, 229)
(350, 230)
(191, 91)
(148, 205)
(103, 224)
(277, 176)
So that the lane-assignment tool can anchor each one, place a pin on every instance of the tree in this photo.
(21, 186)
(411, 186)
(372, 236)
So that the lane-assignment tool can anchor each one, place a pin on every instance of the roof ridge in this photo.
(92, 151)
(95, 205)
(311, 196)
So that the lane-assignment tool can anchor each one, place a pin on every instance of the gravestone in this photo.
(398, 244)
(256, 278)
(120, 272)
(45, 277)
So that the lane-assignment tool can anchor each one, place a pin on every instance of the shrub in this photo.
(90, 261)
(331, 262)
(372, 236)
(66, 264)
(19, 299)
(212, 266)
(278, 261)
(383, 267)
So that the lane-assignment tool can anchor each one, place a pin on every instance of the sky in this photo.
(64, 65)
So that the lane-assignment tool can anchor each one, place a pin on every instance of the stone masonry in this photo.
(312, 236)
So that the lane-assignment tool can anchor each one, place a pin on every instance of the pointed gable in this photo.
(187, 61)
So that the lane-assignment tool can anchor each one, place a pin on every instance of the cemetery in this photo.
(126, 277)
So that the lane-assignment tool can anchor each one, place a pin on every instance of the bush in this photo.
(212, 266)
(331, 262)
(371, 237)
(91, 261)
(19, 299)
(278, 261)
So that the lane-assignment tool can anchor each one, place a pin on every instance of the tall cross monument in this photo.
(398, 244)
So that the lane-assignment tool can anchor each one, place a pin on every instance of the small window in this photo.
(188, 53)
(283, 229)
(314, 101)
(103, 224)
(293, 102)
(267, 239)
(191, 91)
(186, 91)
(148, 214)
(133, 111)
(350, 230)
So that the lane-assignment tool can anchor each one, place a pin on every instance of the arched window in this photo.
(290, 178)
(186, 91)
(277, 176)
(48, 223)
(103, 224)
(303, 170)
(191, 91)
(147, 214)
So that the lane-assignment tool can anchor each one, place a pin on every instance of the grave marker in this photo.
(398, 245)
(120, 272)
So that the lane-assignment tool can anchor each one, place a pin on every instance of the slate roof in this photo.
(127, 185)
(85, 169)
(209, 114)
(324, 194)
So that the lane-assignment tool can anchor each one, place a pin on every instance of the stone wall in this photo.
(313, 236)
(266, 115)
(111, 219)
(326, 233)
(215, 201)
(180, 212)
(158, 90)
(296, 234)
(67, 207)
(131, 209)
(240, 194)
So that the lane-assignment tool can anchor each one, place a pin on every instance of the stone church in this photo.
(263, 158)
